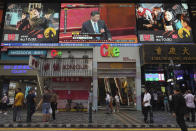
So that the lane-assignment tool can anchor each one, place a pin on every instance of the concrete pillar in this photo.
(138, 83)
(95, 80)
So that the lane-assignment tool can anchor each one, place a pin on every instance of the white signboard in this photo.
(33, 62)
(65, 67)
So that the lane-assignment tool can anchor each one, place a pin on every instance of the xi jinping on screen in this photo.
(96, 26)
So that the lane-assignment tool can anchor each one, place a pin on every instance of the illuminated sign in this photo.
(107, 50)
(17, 69)
(55, 53)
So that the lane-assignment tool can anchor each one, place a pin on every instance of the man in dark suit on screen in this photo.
(95, 26)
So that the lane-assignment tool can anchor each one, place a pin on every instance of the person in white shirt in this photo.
(190, 105)
(155, 95)
(107, 99)
(147, 105)
(4, 103)
(117, 100)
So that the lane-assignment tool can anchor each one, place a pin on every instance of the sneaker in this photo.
(5, 113)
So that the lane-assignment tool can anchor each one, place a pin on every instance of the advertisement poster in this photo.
(84, 22)
(31, 23)
(163, 23)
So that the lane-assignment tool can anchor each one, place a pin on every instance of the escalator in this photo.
(123, 86)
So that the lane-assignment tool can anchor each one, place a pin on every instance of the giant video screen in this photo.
(31, 23)
(90, 22)
(163, 23)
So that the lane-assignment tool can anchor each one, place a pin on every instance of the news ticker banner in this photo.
(62, 45)
(45, 45)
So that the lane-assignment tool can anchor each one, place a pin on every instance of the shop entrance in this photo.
(124, 86)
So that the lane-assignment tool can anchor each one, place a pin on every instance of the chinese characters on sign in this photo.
(172, 51)
(164, 53)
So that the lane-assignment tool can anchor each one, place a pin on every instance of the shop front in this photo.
(17, 76)
(118, 72)
(69, 74)
(168, 66)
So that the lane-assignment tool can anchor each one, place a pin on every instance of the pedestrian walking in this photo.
(45, 101)
(4, 101)
(155, 102)
(147, 106)
(179, 108)
(17, 106)
(30, 104)
(170, 102)
(190, 106)
(111, 104)
(53, 103)
(107, 99)
(166, 102)
(117, 101)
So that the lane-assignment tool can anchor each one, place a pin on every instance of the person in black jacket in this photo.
(96, 26)
(179, 108)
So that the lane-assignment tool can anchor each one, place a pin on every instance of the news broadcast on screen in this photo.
(85, 22)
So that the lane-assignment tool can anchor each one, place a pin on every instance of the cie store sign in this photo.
(107, 51)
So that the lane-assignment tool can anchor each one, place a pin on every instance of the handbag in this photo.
(50, 110)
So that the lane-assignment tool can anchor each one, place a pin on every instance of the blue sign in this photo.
(18, 71)
(27, 52)
(16, 67)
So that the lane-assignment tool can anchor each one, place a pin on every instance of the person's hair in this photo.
(38, 9)
(177, 89)
(93, 13)
(25, 13)
(186, 19)
(172, 20)
(19, 89)
(189, 91)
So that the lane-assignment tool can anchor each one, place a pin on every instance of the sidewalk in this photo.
(123, 119)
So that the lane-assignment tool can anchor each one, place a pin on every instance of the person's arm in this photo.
(83, 30)
(109, 37)
(39, 104)
(15, 100)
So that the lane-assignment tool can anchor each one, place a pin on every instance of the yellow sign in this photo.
(49, 32)
(116, 65)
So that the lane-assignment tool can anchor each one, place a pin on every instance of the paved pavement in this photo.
(94, 129)
(124, 119)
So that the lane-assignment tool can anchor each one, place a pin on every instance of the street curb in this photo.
(49, 125)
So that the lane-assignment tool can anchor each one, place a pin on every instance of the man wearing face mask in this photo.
(96, 26)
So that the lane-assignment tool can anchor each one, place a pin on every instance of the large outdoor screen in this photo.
(31, 23)
(85, 22)
(163, 23)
